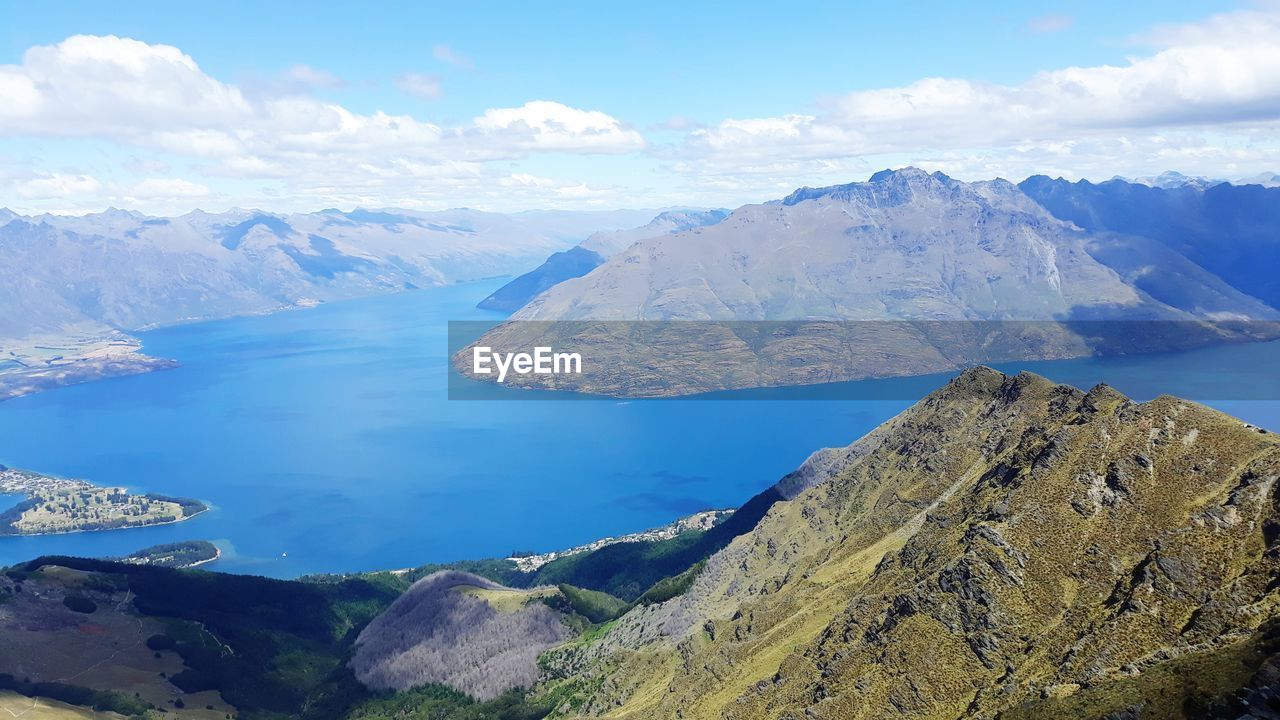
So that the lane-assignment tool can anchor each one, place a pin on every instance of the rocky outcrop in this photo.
(1006, 547)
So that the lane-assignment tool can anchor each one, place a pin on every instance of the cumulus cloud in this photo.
(157, 98)
(57, 186)
(1220, 76)
(548, 125)
(131, 91)
(419, 85)
(1202, 97)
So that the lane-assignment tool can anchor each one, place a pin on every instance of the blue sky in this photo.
(166, 107)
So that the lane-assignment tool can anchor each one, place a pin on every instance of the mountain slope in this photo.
(590, 254)
(965, 263)
(1025, 542)
(1232, 231)
(459, 630)
(905, 245)
(127, 271)
(574, 262)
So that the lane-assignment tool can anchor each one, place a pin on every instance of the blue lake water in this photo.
(325, 441)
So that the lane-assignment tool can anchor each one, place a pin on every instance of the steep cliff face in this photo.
(1006, 547)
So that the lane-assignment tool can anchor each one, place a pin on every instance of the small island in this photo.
(56, 505)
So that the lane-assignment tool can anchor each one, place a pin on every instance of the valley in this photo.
(675, 361)
(940, 537)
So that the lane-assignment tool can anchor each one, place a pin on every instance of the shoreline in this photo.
(107, 504)
(31, 379)
(217, 555)
(122, 527)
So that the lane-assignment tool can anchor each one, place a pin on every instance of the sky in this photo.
(166, 107)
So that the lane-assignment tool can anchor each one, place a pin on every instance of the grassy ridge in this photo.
(627, 570)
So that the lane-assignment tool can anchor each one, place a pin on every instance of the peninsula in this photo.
(56, 505)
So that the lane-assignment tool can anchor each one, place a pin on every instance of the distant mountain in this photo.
(1233, 231)
(1006, 547)
(905, 246)
(574, 262)
(1265, 179)
(123, 270)
(71, 288)
(590, 254)
(1172, 179)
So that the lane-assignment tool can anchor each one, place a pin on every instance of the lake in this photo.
(325, 442)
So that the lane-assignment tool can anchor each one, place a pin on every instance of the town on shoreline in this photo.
(55, 506)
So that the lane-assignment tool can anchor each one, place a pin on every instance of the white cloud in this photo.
(1202, 98)
(423, 87)
(57, 186)
(156, 98)
(1219, 77)
(448, 55)
(547, 125)
(154, 95)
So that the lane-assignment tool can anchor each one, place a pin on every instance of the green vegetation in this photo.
(627, 570)
(671, 587)
(100, 700)
(80, 604)
(82, 507)
(1201, 685)
(436, 702)
(174, 555)
(499, 570)
(593, 605)
(272, 648)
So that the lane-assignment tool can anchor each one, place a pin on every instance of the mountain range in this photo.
(1007, 547)
(126, 271)
(1042, 551)
(913, 246)
(905, 245)
(74, 288)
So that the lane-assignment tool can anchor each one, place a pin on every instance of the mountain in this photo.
(590, 254)
(1265, 179)
(459, 630)
(1173, 179)
(72, 287)
(126, 271)
(1232, 231)
(905, 246)
(1007, 547)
